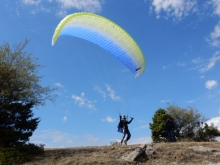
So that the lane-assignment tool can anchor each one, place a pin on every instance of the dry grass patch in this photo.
(167, 153)
(84, 155)
(180, 153)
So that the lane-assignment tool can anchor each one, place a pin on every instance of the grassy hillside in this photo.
(167, 153)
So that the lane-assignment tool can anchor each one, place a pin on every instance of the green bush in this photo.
(11, 156)
(32, 149)
(21, 154)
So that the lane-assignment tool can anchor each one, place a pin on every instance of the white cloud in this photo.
(141, 121)
(100, 91)
(64, 119)
(174, 8)
(112, 94)
(59, 85)
(212, 61)
(18, 12)
(31, 2)
(165, 101)
(215, 121)
(215, 35)
(91, 138)
(166, 66)
(61, 13)
(84, 5)
(197, 60)
(142, 127)
(181, 64)
(57, 139)
(211, 84)
(109, 119)
(216, 5)
(202, 76)
(63, 6)
(83, 102)
(141, 140)
(54, 136)
(190, 101)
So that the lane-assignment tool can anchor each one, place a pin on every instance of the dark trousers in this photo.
(125, 132)
(171, 135)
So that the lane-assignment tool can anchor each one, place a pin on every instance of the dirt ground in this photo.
(177, 153)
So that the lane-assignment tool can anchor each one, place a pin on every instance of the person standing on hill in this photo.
(124, 125)
(169, 126)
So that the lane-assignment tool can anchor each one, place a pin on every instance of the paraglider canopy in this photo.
(106, 34)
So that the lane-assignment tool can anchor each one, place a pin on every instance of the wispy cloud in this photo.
(57, 139)
(212, 61)
(112, 93)
(214, 39)
(146, 126)
(197, 60)
(206, 96)
(108, 92)
(97, 88)
(165, 101)
(54, 136)
(64, 119)
(83, 102)
(216, 6)
(18, 12)
(109, 119)
(191, 101)
(141, 121)
(141, 140)
(91, 138)
(31, 2)
(166, 66)
(181, 64)
(83, 5)
(58, 85)
(38, 6)
(174, 8)
(86, 5)
(211, 84)
(63, 6)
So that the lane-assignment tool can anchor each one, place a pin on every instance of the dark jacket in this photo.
(124, 123)
(169, 125)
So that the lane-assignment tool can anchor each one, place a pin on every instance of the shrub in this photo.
(115, 143)
(32, 149)
(11, 156)
(20, 154)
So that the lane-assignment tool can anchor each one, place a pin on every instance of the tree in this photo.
(17, 124)
(157, 127)
(20, 90)
(207, 132)
(186, 119)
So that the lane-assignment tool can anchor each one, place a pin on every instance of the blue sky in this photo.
(180, 40)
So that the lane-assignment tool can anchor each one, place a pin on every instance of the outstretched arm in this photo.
(130, 121)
